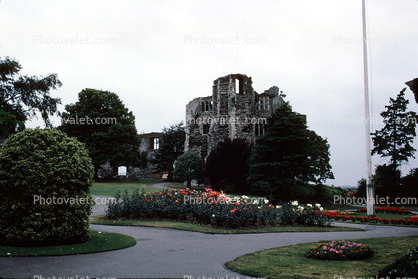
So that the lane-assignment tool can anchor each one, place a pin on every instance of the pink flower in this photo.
(332, 250)
(324, 247)
(358, 245)
(343, 247)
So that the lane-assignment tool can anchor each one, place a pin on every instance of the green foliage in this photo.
(115, 142)
(409, 184)
(188, 166)
(171, 147)
(395, 138)
(405, 267)
(226, 165)
(304, 215)
(325, 194)
(21, 96)
(37, 164)
(210, 207)
(288, 155)
(387, 181)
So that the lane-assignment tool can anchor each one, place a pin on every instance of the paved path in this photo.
(168, 253)
(159, 185)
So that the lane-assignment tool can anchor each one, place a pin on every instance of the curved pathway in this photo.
(169, 253)
(160, 185)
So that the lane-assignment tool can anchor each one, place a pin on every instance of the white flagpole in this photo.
(369, 184)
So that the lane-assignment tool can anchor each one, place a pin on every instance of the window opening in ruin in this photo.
(258, 129)
(156, 143)
(206, 129)
(264, 103)
(237, 86)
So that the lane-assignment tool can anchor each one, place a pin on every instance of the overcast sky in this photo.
(159, 55)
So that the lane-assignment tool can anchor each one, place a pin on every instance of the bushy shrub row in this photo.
(405, 267)
(211, 207)
(307, 215)
(340, 250)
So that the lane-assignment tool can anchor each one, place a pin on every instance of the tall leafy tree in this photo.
(171, 147)
(108, 129)
(395, 138)
(288, 158)
(187, 167)
(22, 96)
(227, 164)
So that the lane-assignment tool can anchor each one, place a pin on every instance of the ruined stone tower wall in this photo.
(234, 110)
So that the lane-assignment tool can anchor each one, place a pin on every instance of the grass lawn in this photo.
(111, 187)
(99, 242)
(341, 207)
(383, 215)
(290, 262)
(206, 229)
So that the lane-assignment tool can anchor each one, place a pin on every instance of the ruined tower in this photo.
(234, 110)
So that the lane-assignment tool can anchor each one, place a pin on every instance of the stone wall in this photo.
(235, 111)
(150, 144)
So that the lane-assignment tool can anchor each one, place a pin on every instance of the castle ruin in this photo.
(234, 110)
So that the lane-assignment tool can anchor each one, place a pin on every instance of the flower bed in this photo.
(213, 208)
(392, 210)
(340, 250)
(412, 220)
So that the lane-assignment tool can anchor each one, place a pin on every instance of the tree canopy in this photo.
(106, 126)
(171, 147)
(187, 167)
(288, 157)
(395, 138)
(227, 165)
(22, 96)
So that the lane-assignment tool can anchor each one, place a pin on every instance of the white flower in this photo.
(245, 197)
(295, 203)
(309, 205)
(318, 205)
(213, 215)
(301, 208)
(258, 207)
(266, 201)
(8, 254)
(278, 206)
(321, 208)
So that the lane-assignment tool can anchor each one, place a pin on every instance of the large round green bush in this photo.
(44, 184)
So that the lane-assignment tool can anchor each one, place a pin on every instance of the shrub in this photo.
(340, 250)
(226, 165)
(405, 267)
(188, 166)
(36, 164)
(209, 207)
(305, 215)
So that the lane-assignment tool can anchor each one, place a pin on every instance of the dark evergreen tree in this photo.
(387, 181)
(410, 184)
(227, 165)
(108, 129)
(288, 157)
(22, 96)
(395, 138)
(187, 167)
(361, 188)
(171, 147)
